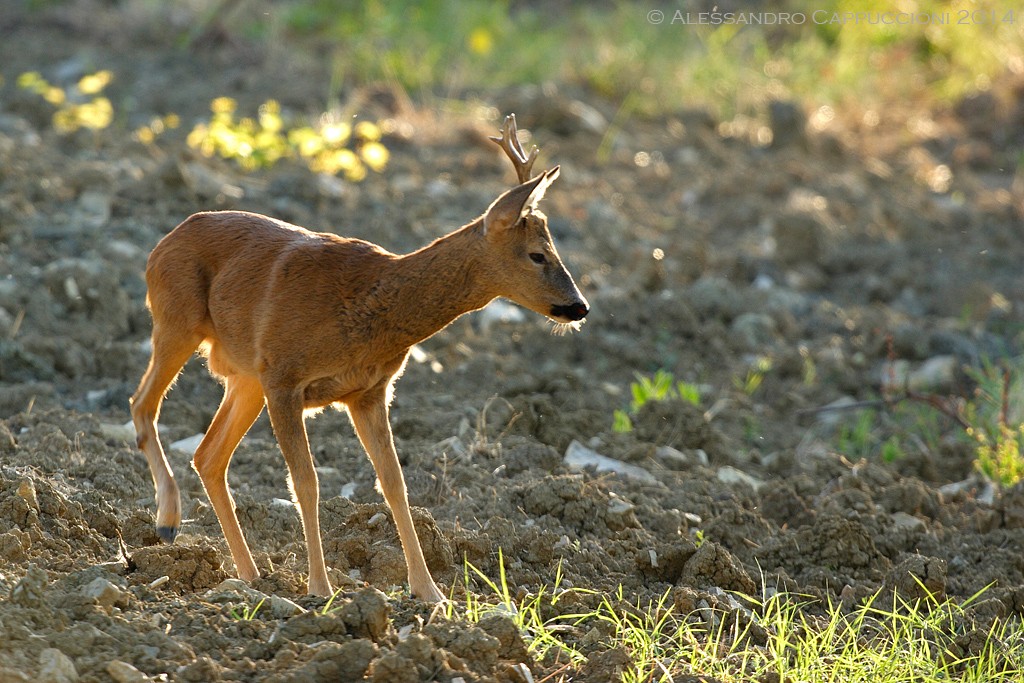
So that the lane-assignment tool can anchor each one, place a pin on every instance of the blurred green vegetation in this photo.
(826, 53)
(991, 423)
(446, 48)
(996, 418)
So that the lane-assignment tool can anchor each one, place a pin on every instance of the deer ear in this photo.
(510, 207)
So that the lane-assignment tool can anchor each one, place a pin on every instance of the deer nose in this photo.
(574, 311)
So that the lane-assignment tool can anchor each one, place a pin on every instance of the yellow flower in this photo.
(346, 159)
(367, 131)
(54, 95)
(223, 105)
(355, 173)
(32, 80)
(480, 41)
(66, 120)
(336, 133)
(198, 135)
(270, 116)
(375, 155)
(335, 161)
(94, 83)
(96, 114)
(306, 140)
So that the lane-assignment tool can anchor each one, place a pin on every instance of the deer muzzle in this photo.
(571, 312)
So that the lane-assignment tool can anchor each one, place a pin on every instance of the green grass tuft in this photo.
(659, 387)
(745, 639)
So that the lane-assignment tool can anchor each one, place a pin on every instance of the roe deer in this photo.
(300, 320)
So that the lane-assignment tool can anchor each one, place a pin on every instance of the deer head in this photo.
(526, 263)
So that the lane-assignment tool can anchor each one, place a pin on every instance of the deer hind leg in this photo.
(370, 419)
(171, 350)
(285, 407)
(242, 404)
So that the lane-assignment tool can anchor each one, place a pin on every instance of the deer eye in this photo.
(538, 258)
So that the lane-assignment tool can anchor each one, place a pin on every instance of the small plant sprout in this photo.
(662, 386)
(755, 375)
(621, 422)
(996, 423)
(855, 441)
(329, 605)
(810, 368)
(1001, 457)
(892, 450)
(246, 612)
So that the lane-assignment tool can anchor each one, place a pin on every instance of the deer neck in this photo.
(436, 284)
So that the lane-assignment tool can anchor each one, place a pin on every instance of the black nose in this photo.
(576, 311)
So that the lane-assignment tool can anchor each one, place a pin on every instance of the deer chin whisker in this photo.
(562, 329)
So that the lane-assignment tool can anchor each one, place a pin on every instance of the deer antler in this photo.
(509, 141)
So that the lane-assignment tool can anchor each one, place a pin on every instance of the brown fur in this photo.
(298, 320)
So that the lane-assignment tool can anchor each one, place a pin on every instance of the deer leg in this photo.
(171, 351)
(370, 419)
(242, 404)
(285, 409)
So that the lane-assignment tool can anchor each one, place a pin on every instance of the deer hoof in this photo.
(167, 533)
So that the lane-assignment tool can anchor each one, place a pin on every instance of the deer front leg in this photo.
(370, 419)
(285, 408)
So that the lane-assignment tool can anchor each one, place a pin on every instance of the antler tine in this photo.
(509, 141)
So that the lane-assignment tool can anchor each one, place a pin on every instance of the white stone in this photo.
(208, 183)
(105, 593)
(125, 432)
(189, 444)
(618, 506)
(123, 672)
(283, 608)
(907, 521)
(732, 476)
(579, 457)
(56, 667)
(936, 374)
